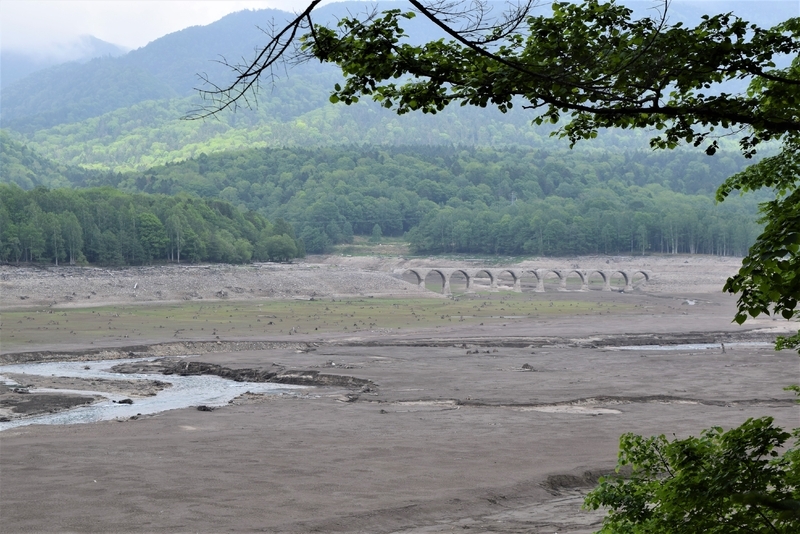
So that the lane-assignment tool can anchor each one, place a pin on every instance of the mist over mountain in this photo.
(17, 64)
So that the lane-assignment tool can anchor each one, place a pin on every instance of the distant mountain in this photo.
(124, 112)
(166, 68)
(169, 66)
(17, 64)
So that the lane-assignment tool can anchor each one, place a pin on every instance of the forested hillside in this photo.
(450, 199)
(110, 227)
(17, 63)
(465, 180)
(125, 113)
(25, 167)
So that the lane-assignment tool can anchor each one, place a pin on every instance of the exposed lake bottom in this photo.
(182, 391)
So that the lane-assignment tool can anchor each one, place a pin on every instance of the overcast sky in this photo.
(46, 24)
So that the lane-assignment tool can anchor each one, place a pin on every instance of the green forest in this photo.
(111, 227)
(476, 200)
(105, 141)
(441, 199)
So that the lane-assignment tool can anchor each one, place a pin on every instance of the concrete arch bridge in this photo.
(513, 278)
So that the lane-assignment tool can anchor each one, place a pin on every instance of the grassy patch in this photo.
(361, 246)
(262, 319)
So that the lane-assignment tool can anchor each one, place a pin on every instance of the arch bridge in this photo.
(446, 274)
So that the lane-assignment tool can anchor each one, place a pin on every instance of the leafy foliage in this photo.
(769, 280)
(739, 481)
(591, 61)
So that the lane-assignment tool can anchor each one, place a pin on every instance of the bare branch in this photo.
(249, 74)
(473, 20)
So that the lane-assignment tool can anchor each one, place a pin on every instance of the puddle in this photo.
(695, 346)
(185, 391)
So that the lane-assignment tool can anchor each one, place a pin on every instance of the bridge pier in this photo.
(628, 281)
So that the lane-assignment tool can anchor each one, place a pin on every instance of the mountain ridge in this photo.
(171, 64)
(16, 64)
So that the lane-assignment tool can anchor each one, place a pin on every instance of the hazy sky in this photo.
(46, 24)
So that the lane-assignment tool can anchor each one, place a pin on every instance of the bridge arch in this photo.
(528, 274)
(580, 274)
(476, 275)
(562, 280)
(445, 280)
(455, 273)
(603, 275)
(625, 277)
(418, 274)
(515, 279)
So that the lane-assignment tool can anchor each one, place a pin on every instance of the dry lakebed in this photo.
(338, 396)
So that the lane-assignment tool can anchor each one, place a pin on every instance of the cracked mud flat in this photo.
(464, 429)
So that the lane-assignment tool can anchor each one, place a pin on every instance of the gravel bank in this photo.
(91, 286)
(322, 276)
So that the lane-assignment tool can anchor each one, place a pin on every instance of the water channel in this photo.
(185, 391)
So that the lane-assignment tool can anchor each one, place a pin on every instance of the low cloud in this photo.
(54, 27)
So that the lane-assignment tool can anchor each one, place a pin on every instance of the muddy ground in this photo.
(498, 427)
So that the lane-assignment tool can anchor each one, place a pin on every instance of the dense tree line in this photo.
(451, 199)
(444, 199)
(112, 227)
(607, 220)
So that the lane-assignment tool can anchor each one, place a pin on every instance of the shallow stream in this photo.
(185, 391)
